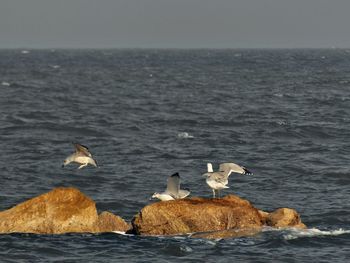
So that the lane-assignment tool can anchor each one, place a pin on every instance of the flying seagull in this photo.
(173, 190)
(219, 180)
(81, 156)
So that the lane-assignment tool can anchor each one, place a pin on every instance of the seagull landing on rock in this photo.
(81, 156)
(219, 180)
(173, 190)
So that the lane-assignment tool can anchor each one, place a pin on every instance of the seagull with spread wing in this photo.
(173, 190)
(219, 180)
(81, 156)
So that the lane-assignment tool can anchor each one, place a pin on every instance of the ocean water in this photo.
(145, 114)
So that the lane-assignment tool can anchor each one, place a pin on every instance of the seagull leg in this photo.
(218, 193)
(213, 193)
(83, 165)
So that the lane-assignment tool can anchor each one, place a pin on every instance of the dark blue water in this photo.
(284, 114)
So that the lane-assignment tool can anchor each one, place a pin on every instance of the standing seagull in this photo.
(173, 190)
(219, 180)
(81, 156)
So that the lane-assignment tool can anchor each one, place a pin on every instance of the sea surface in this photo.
(146, 114)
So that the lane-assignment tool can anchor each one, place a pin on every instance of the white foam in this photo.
(4, 83)
(121, 233)
(185, 248)
(282, 123)
(25, 52)
(280, 95)
(180, 237)
(313, 232)
(211, 242)
(184, 135)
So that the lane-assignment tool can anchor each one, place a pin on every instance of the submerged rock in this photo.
(230, 216)
(62, 210)
(284, 217)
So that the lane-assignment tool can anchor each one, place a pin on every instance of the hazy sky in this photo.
(174, 23)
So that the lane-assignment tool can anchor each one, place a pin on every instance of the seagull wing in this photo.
(219, 177)
(81, 149)
(227, 167)
(173, 185)
(183, 193)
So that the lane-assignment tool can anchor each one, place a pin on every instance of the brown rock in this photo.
(66, 210)
(196, 215)
(281, 218)
(108, 222)
(60, 211)
(284, 217)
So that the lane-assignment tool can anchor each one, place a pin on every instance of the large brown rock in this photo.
(60, 211)
(227, 217)
(196, 215)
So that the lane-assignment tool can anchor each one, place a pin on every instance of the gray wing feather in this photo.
(81, 149)
(218, 177)
(173, 185)
(226, 167)
(183, 193)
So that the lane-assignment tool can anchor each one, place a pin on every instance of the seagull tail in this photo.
(93, 162)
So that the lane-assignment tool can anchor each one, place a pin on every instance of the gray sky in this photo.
(174, 23)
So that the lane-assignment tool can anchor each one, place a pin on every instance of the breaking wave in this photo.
(294, 233)
(184, 135)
